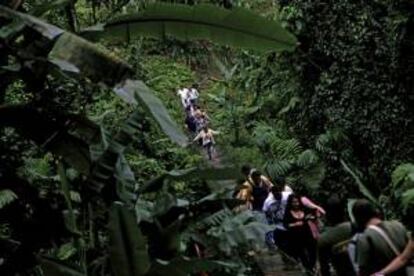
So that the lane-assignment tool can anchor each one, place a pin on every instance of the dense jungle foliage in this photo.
(97, 176)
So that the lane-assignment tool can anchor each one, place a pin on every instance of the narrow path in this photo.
(270, 264)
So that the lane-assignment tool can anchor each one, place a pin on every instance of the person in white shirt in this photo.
(275, 207)
(185, 96)
(193, 94)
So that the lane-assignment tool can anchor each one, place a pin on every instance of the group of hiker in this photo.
(196, 119)
(364, 247)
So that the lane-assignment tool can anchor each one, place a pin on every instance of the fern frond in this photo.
(276, 168)
(286, 149)
(6, 197)
(327, 140)
(307, 158)
(403, 176)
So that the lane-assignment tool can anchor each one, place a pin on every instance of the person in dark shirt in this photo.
(333, 242)
(379, 240)
(301, 240)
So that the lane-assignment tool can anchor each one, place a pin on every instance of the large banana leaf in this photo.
(128, 247)
(363, 189)
(236, 27)
(72, 53)
(131, 91)
(48, 31)
(190, 174)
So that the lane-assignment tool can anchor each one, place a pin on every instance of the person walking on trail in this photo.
(247, 171)
(379, 241)
(274, 208)
(200, 118)
(255, 191)
(400, 261)
(261, 186)
(301, 241)
(333, 242)
(193, 94)
(191, 123)
(184, 94)
(206, 135)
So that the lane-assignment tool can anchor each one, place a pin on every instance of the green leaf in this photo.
(313, 176)
(277, 168)
(45, 29)
(66, 251)
(349, 206)
(235, 27)
(128, 247)
(408, 199)
(307, 158)
(403, 176)
(131, 91)
(363, 189)
(70, 53)
(190, 174)
(6, 197)
(76, 55)
(43, 8)
(53, 267)
(65, 187)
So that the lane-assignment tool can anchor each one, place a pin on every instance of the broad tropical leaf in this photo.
(47, 30)
(236, 27)
(363, 189)
(74, 54)
(128, 247)
(190, 174)
(131, 91)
